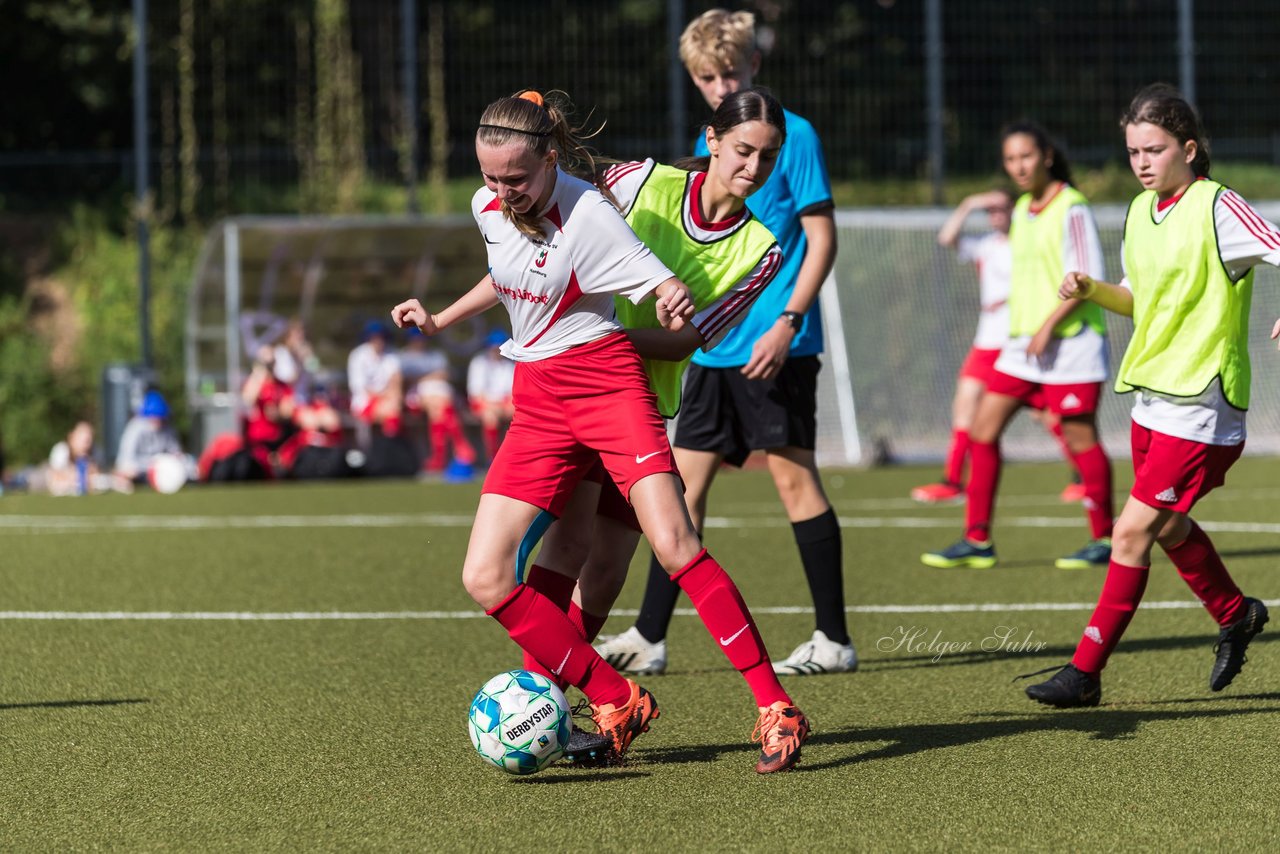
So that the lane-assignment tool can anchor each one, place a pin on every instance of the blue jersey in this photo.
(798, 185)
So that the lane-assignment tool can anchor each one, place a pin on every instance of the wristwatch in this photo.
(794, 319)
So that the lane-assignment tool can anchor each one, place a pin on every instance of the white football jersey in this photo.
(559, 289)
(993, 257)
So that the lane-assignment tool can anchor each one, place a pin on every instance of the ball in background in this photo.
(519, 721)
(167, 473)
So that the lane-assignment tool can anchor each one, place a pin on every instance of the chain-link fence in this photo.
(338, 105)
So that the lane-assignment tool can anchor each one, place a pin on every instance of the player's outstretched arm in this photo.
(666, 345)
(479, 299)
(949, 234)
(1082, 286)
(1275, 331)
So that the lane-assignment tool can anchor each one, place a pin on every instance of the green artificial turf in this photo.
(339, 734)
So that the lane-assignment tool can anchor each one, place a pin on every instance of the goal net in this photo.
(900, 315)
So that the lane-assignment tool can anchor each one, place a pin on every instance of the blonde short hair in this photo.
(719, 38)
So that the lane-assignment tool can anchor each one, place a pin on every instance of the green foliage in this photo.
(37, 404)
(99, 268)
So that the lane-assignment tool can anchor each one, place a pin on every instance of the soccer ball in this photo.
(167, 473)
(519, 721)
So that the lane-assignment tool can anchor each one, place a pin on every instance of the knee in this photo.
(486, 584)
(601, 582)
(1175, 532)
(674, 547)
(1131, 544)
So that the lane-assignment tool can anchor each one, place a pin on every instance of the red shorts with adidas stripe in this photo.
(590, 402)
(1172, 473)
(980, 364)
(1067, 400)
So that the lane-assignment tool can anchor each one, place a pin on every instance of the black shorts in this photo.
(728, 414)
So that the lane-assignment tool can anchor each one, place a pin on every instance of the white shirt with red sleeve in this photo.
(1084, 357)
(1245, 240)
(559, 289)
(715, 319)
(993, 257)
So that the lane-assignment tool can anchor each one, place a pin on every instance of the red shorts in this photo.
(980, 364)
(1172, 473)
(1066, 400)
(590, 402)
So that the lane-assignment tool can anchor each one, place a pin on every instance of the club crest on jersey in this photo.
(541, 260)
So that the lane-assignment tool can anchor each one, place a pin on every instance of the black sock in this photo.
(660, 595)
(820, 552)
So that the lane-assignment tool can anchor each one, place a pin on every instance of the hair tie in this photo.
(533, 96)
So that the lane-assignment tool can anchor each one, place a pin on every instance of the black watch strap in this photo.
(794, 319)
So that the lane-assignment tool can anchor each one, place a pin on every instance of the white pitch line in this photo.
(298, 616)
(150, 524)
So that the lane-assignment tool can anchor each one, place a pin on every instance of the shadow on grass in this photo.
(1271, 551)
(71, 704)
(1108, 722)
(602, 775)
(1061, 652)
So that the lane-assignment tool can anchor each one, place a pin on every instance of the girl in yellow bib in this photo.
(1055, 358)
(1190, 246)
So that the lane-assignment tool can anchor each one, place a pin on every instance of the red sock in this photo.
(559, 589)
(953, 472)
(588, 624)
(1095, 471)
(1121, 593)
(984, 477)
(720, 606)
(490, 433)
(540, 628)
(439, 434)
(1056, 430)
(462, 450)
(1201, 567)
(391, 426)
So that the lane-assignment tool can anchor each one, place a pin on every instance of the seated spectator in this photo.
(73, 469)
(145, 436)
(316, 449)
(269, 405)
(295, 363)
(489, 379)
(375, 382)
(427, 373)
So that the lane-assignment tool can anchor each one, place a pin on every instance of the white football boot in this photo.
(631, 652)
(818, 655)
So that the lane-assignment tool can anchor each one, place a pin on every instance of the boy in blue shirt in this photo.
(757, 390)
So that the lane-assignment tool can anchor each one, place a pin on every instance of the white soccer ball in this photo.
(519, 721)
(167, 473)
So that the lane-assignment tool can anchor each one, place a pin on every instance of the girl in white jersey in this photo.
(1190, 246)
(558, 253)
(1056, 355)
